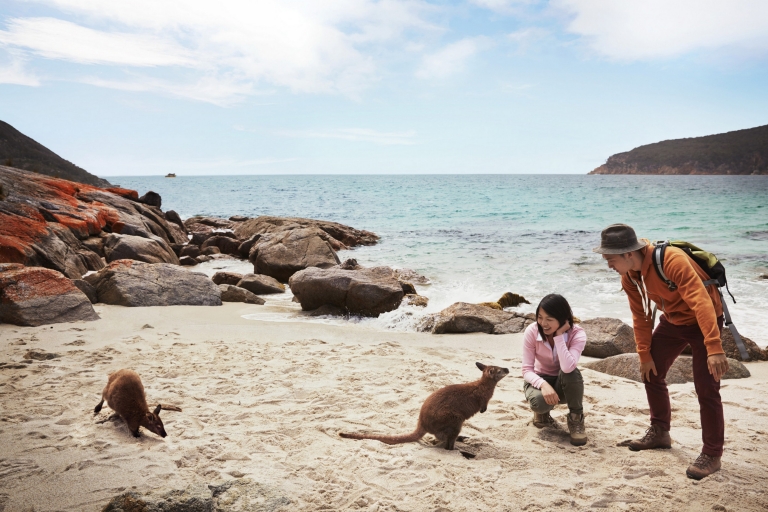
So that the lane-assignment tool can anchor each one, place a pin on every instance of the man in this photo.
(692, 315)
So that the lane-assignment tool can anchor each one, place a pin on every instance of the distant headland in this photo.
(19, 151)
(740, 152)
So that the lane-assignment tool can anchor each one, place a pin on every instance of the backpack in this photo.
(714, 269)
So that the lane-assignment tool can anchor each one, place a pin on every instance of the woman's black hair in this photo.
(557, 307)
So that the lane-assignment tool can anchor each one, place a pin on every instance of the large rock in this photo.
(608, 337)
(225, 244)
(134, 283)
(260, 284)
(232, 293)
(242, 495)
(38, 296)
(681, 371)
(282, 254)
(367, 292)
(45, 221)
(152, 199)
(342, 236)
(148, 250)
(463, 317)
(731, 350)
(227, 278)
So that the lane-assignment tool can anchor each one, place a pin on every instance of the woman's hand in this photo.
(550, 395)
(563, 328)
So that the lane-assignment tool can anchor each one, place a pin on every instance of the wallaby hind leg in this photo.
(97, 409)
(450, 437)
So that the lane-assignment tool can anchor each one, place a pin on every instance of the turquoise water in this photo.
(477, 236)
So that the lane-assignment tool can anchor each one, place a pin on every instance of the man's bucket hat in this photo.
(618, 239)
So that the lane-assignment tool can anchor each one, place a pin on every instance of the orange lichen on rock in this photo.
(124, 192)
(30, 282)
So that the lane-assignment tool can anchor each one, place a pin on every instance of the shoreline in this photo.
(265, 400)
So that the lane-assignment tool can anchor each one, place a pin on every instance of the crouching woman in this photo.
(551, 350)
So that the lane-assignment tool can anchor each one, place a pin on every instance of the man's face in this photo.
(621, 263)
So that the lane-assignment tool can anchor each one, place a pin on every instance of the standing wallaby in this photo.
(445, 411)
(124, 394)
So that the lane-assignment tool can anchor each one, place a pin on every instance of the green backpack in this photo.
(714, 269)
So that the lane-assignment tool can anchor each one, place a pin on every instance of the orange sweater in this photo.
(690, 304)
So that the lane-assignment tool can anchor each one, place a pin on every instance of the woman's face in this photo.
(549, 324)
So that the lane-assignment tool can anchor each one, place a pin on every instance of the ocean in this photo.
(478, 236)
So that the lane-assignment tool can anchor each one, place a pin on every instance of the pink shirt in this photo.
(540, 358)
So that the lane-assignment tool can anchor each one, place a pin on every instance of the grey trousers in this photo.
(569, 387)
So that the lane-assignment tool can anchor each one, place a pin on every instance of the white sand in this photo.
(266, 400)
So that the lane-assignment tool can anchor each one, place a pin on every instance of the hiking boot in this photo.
(543, 420)
(655, 437)
(703, 466)
(576, 429)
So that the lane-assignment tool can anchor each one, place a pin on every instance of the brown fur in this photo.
(124, 394)
(445, 411)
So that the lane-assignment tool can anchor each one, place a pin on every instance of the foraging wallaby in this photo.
(124, 394)
(445, 411)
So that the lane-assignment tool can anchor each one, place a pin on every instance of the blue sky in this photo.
(141, 87)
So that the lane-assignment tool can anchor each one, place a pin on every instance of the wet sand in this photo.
(265, 400)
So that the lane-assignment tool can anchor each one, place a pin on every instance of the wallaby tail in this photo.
(405, 438)
(169, 407)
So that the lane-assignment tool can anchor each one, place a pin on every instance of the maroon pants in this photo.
(667, 343)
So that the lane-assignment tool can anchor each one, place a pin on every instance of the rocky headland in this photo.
(739, 152)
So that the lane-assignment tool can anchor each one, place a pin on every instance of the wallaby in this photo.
(445, 411)
(124, 394)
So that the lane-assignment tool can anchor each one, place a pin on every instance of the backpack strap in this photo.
(729, 324)
(658, 263)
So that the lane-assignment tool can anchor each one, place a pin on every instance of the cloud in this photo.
(502, 6)
(14, 73)
(452, 58)
(650, 29)
(357, 135)
(303, 45)
(56, 39)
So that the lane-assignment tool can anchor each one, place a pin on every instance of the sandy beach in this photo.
(265, 400)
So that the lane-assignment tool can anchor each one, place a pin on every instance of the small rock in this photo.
(232, 293)
(408, 288)
(226, 278)
(39, 355)
(147, 326)
(261, 284)
(187, 261)
(238, 218)
(406, 274)
(416, 300)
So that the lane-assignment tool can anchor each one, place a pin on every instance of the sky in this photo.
(141, 87)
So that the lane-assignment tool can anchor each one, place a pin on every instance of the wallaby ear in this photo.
(481, 366)
(157, 410)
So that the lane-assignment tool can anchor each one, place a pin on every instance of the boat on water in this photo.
(170, 175)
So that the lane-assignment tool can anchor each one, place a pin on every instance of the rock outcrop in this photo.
(232, 293)
(608, 337)
(366, 291)
(260, 284)
(681, 371)
(129, 247)
(283, 253)
(38, 296)
(138, 284)
(343, 236)
(463, 317)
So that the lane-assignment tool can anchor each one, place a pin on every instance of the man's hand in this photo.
(563, 328)
(550, 395)
(647, 368)
(718, 365)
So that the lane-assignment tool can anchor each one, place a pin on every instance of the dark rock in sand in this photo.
(225, 244)
(138, 284)
(367, 292)
(608, 337)
(282, 254)
(261, 284)
(340, 236)
(148, 250)
(681, 371)
(40, 355)
(38, 296)
(463, 317)
(731, 350)
(241, 495)
(232, 293)
(187, 261)
(227, 278)
(152, 199)
(191, 250)
(87, 289)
